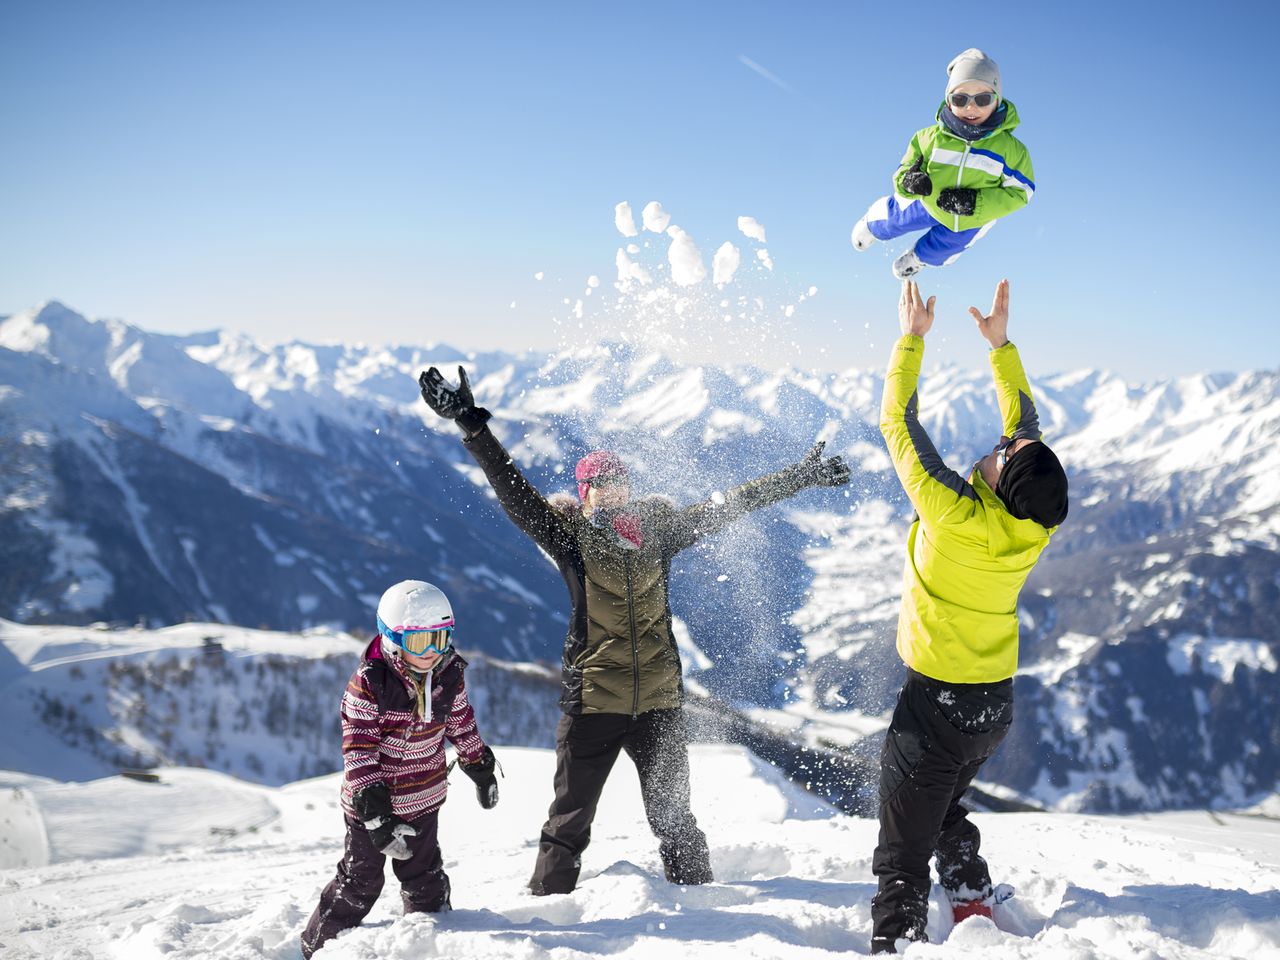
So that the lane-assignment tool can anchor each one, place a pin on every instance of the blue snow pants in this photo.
(887, 218)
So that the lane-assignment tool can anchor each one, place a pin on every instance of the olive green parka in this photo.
(619, 654)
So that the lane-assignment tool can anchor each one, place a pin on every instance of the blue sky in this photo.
(400, 171)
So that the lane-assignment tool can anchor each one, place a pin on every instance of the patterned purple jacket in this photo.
(384, 740)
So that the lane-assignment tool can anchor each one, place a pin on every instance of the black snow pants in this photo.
(939, 737)
(347, 900)
(586, 748)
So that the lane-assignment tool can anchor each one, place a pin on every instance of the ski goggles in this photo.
(979, 99)
(420, 641)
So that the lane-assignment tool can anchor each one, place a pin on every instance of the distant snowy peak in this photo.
(1217, 428)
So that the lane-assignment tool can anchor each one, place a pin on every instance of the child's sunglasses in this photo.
(979, 99)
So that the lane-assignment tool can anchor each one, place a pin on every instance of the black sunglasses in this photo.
(979, 99)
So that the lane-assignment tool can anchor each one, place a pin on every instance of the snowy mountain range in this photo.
(160, 479)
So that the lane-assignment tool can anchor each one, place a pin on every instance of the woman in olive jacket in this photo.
(621, 674)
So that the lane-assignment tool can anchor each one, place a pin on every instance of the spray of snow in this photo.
(725, 263)
(655, 218)
(687, 267)
(752, 228)
(623, 219)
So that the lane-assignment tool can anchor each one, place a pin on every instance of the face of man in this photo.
(992, 465)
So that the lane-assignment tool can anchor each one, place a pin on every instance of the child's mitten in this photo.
(481, 772)
(916, 181)
(387, 831)
(958, 200)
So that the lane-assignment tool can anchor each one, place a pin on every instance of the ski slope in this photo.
(204, 865)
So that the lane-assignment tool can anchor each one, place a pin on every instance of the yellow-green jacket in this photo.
(967, 556)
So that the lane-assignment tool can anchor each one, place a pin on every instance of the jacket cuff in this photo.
(473, 421)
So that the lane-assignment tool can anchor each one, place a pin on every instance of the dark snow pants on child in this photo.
(347, 900)
(939, 737)
(887, 219)
(586, 748)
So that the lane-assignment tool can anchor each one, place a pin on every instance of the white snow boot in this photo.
(907, 265)
(862, 236)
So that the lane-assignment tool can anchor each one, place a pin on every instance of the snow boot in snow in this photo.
(964, 909)
(907, 265)
(862, 236)
(900, 911)
(981, 906)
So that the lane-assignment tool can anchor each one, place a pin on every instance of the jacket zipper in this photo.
(635, 643)
(959, 175)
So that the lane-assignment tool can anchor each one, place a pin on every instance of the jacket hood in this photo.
(1011, 119)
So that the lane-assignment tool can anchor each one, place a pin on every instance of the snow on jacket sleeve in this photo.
(361, 732)
(460, 726)
(1013, 391)
(936, 491)
(521, 501)
(691, 524)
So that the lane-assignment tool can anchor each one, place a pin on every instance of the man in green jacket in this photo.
(970, 548)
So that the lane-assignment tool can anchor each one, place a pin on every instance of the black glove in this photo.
(453, 403)
(917, 181)
(388, 832)
(815, 471)
(959, 200)
(481, 772)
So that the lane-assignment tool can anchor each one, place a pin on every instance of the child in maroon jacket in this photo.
(404, 700)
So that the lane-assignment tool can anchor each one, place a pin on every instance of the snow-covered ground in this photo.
(205, 865)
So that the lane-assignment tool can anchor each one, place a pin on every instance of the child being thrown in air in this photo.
(958, 176)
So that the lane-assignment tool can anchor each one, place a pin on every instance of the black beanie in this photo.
(1033, 486)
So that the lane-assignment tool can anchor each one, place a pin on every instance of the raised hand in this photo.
(995, 326)
(821, 471)
(449, 402)
(915, 317)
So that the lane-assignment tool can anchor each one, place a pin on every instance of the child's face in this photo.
(421, 663)
(971, 112)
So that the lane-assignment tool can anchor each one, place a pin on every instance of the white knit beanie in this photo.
(973, 64)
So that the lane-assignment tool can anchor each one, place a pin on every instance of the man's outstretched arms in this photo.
(935, 490)
(1013, 390)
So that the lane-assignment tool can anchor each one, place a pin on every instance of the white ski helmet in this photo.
(413, 606)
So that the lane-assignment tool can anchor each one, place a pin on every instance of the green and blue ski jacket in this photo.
(998, 166)
(967, 556)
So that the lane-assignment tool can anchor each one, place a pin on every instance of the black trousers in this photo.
(347, 900)
(938, 739)
(586, 748)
